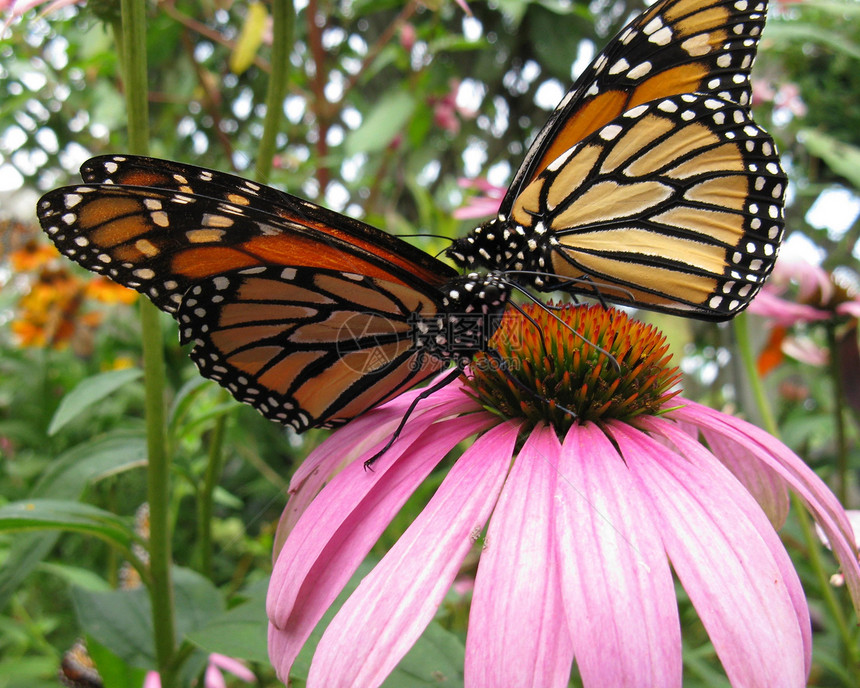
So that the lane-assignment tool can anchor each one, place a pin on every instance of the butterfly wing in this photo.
(307, 347)
(178, 228)
(674, 47)
(299, 311)
(677, 206)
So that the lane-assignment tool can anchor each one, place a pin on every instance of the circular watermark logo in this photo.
(368, 342)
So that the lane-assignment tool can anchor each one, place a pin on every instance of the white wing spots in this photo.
(144, 273)
(620, 66)
(221, 283)
(638, 111)
(146, 247)
(688, 115)
(696, 46)
(288, 274)
(628, 35)
(610, 132)
(724, 61)
(111, 167)
(559, 161)
(204, 236)
(653, 26)
(152, 204)
(639, 71)
(563, 103)
(160, 218)
(714, 104)
(662, 36)
(72, 199)
(668, 106)
(741, 5)
(217, 220)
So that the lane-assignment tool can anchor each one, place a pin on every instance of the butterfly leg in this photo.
(444, 382)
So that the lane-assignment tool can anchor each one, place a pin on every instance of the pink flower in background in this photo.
(486, 204)
(799, 293)
(213, 678)
(580, 524)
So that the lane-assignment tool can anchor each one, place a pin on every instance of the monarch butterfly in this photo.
(650, 179)
(653, 151)
(309, 316)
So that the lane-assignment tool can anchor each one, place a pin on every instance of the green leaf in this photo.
(436, 658)
(250, 38)
(89, 392)
(66, 478)
(52, 514)
(842, 158)
(90, 462)
(382, 124)
(121, 620)
(26, 671)
(113, 669)
(240, 632)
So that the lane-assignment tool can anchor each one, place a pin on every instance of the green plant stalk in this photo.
(206, 496)
(838, 418)
(283, 23)
(133, 51)
(813, 546)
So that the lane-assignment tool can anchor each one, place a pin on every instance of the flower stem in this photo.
(206, 495)
(836, 375)
(132, 43)
(813, 551)
(283, 22)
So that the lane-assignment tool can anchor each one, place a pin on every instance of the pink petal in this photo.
(517, 629)
(359, 437)
(726, 555)
(234, 666)
(617, 587)
(769, 305)
(212, 678)
(391, 607)
(152, 680)
(817, 497)
(342, 524)
(766, 486)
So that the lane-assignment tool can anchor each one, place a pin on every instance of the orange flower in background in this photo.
(106, 291)
(53, 310)
(32, 255)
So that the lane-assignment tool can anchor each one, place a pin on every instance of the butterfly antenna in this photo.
(541, 304)
(426, 392)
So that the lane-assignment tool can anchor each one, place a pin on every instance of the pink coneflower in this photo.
(584, 497)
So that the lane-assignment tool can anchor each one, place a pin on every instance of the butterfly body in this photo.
(650, 185)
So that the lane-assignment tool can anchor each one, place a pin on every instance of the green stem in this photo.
(283, 23)
(813, 546)
(836, 375)
(133, 50)
(206, 495)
